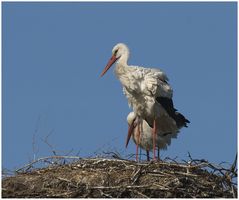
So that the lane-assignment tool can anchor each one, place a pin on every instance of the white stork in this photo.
(142, 135)
(148, 93)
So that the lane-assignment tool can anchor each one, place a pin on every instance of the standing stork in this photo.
(142, 135)
(148, 93)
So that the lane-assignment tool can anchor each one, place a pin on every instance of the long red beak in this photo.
(109, 64)
(130, 131)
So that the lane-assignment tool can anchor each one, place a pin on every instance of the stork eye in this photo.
(116, 51)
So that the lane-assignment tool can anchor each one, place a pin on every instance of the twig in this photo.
(141, 194)
(104, 194)
(136, 175)
(29, 165)
(115, 155)
(119, 187)
(51, 146)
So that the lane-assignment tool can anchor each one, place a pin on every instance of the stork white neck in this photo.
(123, 60)
(122, 70)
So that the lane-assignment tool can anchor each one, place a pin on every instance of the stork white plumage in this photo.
(148, 93)
(142, 135)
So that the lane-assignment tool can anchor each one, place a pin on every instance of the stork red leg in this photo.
(154, 138)
(137, 141)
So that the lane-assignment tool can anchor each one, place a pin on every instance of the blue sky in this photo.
(53, 54)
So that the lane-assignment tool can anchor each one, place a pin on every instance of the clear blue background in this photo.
(53, 54)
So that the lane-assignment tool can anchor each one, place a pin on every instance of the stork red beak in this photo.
(130, 131)
(109, 64)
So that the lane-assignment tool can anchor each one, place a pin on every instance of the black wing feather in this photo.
(167, 104)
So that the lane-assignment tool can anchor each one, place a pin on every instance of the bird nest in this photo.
(119, 178)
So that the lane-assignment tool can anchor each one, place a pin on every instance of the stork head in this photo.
(119, 52)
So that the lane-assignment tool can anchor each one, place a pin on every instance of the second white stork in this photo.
(142, 135)
(148, 93)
